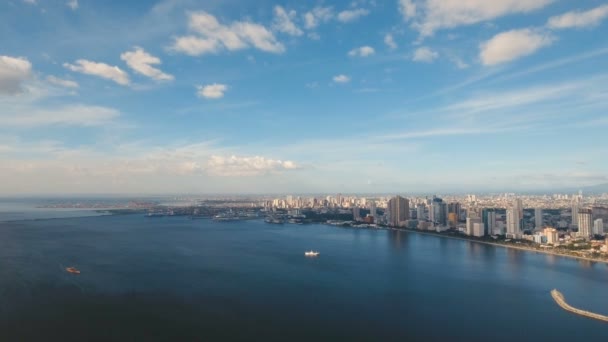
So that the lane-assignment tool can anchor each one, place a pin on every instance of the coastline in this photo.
(501, 245)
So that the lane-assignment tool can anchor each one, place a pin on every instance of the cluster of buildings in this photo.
(534, 218)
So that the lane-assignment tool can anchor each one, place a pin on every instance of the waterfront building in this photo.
(598, 227)
(372, 209)
(584, 223)
(552, 235)
(538, 218)
(472, 220)
(478, 228)
(398, 210)
(356, 213)
(488, 217)
(420, 212)
(438, 213)
(515, 218)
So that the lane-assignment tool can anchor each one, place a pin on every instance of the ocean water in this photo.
(175, 279)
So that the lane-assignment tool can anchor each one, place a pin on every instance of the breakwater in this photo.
(561, 301)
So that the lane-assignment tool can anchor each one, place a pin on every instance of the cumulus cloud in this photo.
(511, 45)
(73, 4)
(363, 51)
(433, 15)
(13, 72)
(102, 70)
(389, 41)
(61, 82)
(283, 22)
(341, 79)
(246, 166)
(407, 8)
(578, 19)
(317, 15)
(212, 91)
(352, 15)
(141, 62)
(211, 36)
(424, 54)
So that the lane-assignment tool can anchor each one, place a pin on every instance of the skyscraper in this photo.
(356, 214)
(538, 218)
(515, 215)
(575, 209)
(420, 212)
(584, 223)
(398, 210)
(598, 227)
(488, 217)
(438, 212)
(372, 209)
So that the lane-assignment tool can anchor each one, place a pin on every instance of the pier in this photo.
(561, 301)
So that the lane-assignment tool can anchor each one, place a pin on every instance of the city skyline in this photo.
(399, 96)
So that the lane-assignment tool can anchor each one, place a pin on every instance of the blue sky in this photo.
(277, 96)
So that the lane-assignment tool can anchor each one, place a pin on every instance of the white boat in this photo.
(311, 253)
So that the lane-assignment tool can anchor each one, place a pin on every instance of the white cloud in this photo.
(102, 70)
(73, 4)
(578, 19)
(363, 51)
(73, 115)
(352, 15)
(283, 21)
(511, 45)
(246, 166)
(460, 64)
(407, 8)
(141, 62)
(212, 91)
(341, 79)
(433, 15)
(61, 82)
(31, 2)
(317, 15)
(212, 36)
(389, 41)
(424, 54)
(13, 72)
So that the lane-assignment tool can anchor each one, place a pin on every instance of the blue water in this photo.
(176, 279)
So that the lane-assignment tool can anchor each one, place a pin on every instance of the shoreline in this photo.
(604, 261)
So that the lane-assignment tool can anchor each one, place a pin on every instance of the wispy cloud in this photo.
(102, 70)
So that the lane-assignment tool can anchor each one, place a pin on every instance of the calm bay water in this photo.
(179, 279)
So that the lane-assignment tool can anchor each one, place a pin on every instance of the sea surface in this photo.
(175, 279)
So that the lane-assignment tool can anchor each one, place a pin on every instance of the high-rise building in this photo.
(420, 212)
(551, 234)
(356, 214)
(478, 228)
(598, 227)
(538, 218)
(372, 209)
(575, 209)
(454, 208)
(585, 224)
(488, 217)
(398, 210)
(438, 212)
(515, 215)
(471, 222)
